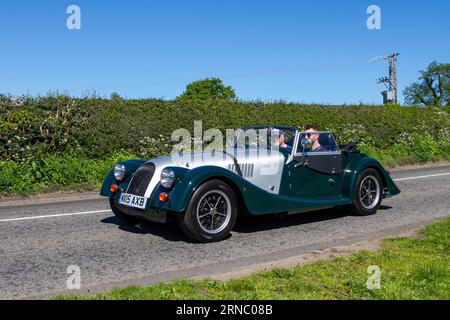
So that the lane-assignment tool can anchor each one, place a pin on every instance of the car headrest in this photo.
(328, 141)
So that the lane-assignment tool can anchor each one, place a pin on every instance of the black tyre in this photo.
(368, 193)
(211, 213)
(122, 216)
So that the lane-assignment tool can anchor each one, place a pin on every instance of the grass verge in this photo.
(416, 268)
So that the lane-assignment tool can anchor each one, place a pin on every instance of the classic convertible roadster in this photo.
(207, 191)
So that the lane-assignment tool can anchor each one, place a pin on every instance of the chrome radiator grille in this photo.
(141, 180)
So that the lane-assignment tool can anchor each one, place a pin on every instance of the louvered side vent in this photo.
(246, 169)
(141, 180)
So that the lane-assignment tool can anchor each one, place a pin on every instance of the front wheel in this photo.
(368, 193)
(211, 213)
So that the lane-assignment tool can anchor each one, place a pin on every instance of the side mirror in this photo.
(306, 143)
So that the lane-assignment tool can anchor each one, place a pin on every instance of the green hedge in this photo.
(55, 172)
(75, 139)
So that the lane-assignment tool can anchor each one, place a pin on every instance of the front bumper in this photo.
(150, 214)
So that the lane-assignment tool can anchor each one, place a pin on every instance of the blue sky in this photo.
(300, 51)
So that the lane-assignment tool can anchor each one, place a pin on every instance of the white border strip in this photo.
(422, 177)
(55, 215)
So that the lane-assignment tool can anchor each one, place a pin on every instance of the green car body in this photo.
(233, 181)
(256, 200)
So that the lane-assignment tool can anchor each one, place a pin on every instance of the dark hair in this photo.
(312, 126)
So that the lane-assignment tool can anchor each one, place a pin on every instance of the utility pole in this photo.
(390, 96)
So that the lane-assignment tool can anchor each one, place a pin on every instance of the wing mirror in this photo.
(306, 144)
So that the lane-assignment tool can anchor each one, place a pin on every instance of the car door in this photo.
(316, 174)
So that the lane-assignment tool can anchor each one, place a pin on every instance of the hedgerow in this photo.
(72, 141)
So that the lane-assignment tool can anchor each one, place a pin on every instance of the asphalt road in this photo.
(39, 242)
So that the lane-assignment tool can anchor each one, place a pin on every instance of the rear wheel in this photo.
(211, 213)
(122, 216)
(368, 193)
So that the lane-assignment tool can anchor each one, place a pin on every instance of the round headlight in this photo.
(167, 178)
(119, 171)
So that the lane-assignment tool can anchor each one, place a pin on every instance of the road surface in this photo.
(39, 242)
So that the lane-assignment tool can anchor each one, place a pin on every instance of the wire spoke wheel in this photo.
(211, 213)
(369, 192)
(214, 211)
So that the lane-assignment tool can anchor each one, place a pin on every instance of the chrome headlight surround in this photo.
(167, 178)
(119, 171)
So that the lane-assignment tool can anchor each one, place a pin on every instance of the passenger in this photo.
(278, 139)
(312, 132)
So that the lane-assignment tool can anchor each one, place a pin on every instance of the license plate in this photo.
(131, 200)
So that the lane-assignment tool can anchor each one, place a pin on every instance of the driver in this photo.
(278, 139)
(312, 132)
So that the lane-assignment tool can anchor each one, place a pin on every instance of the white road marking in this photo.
(422, 177)
(54, 215)
(105, 211)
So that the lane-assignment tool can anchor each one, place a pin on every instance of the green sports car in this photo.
(265, 170)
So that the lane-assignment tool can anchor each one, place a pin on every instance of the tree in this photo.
(116, 96)
(433, 87)
(209, 88)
